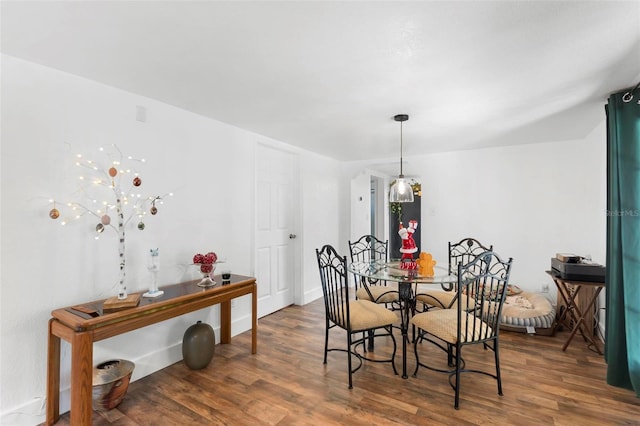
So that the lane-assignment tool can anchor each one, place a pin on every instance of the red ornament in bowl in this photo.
(207, 266)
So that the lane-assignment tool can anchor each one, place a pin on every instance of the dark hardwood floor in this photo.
(285, 383)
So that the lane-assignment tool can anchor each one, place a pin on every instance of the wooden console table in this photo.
(81, 329)
(578, 306)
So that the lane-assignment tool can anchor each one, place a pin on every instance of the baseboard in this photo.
(602, 330)
(30, 414)
(312, 295)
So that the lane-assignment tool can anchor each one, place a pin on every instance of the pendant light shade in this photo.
(401, 191)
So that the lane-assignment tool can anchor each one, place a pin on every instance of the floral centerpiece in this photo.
(206, 263)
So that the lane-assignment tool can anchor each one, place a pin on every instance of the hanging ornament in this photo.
(137, 181)
(141, 225)
(54, 213)
(113, 172)
(105, 219)
(99, 228)
(154, 209)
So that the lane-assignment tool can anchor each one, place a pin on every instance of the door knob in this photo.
(292, 236)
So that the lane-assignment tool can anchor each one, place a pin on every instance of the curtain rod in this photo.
(629, 95)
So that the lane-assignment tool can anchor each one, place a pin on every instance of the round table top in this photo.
(391, 271)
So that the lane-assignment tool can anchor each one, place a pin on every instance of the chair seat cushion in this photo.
(366, 315)
(438, 298)
(443, 323)
(380, 293)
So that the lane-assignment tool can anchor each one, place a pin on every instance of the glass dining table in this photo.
(410, 282)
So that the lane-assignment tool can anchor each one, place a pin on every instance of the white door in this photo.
(275, 228)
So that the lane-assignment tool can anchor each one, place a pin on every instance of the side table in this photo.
(569, 291)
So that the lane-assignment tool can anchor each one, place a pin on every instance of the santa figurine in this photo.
(408, 245)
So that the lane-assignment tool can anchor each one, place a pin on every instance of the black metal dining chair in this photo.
(366, 249)
(354, 316)
(463, 253)
(481, 291)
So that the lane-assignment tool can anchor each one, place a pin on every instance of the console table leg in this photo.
(53, 377)
(225, 322)
(81, 378)
(254, 319)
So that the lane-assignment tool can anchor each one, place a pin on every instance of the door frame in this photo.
(380, 204)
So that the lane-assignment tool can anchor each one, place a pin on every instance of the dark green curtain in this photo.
(622, 336)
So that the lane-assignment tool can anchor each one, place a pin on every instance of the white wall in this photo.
(360, 204)
(48, 117)
(529, 201)
(321, 213)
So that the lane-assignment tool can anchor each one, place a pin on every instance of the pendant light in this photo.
(401, 191)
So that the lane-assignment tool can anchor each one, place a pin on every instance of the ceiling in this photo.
(329, 76)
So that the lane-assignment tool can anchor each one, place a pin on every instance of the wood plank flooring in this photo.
(285, 383)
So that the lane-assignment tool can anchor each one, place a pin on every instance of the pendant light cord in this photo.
(401, 118)
(401, 174)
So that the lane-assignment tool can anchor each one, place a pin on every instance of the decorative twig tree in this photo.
(103, 187)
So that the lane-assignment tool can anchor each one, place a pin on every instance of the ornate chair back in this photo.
(366, 249)
(482, 288)
(464, 252)
(333, 276)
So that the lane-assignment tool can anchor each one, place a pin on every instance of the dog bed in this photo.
(523, 309)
